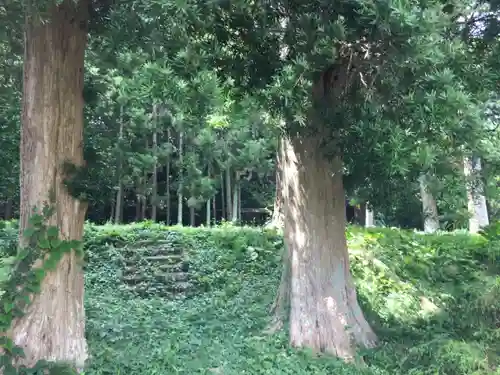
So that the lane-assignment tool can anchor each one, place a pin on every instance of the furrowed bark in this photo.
(52, 134)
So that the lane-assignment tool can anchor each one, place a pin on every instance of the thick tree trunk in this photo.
(476, 201)
(277, 220)
(324, 315)
(52, 133)
(429, 206)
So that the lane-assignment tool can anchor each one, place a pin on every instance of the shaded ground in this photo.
(434, 301)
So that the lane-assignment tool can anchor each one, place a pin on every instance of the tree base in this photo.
(325, 315)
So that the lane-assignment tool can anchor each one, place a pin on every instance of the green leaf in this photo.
(44, 244)
(29, 232)
(55, 243)
(52, 232)
(8, 306)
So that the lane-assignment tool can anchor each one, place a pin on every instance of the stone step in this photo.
(174, 258)
(173, 276)
(153, 250)
(181, 287)
(177, 267)
(135, 279)
(166, 259)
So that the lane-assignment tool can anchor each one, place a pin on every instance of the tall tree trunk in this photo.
(429, 206)
(222, 199)
(154, 194)
(138, 208)
(235, 203)
(180, 195)
(369, 216)
(52, 133)
(144, 206)
(207, 208)
(192, 217)
(119, 193)
(8, 209)
(360, 212)
(277, 220)
(324, 315)
(239, 201)
(476, 201)
(229, 197)
(112, 209)
(167, 187)
(208, 213)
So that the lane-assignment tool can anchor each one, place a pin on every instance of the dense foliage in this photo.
(191, 112)
(432, 299)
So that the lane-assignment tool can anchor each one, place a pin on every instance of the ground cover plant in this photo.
(174, 300)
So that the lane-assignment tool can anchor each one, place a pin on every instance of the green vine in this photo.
(24, 281)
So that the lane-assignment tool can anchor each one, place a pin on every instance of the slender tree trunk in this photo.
(214, 208)
(8, 209)
(229, 195)
(222, 199)
(369, 216)
(138, 208)
(167, 188)
(144, 206)
(192, 217)
(476, 201)
(112, 208)
(154, 195)
(429, 206)
(207, 218)
(52, 133)
(324, 315)
(180, 195)
(239, 201)
(235, 203)
(207, 208)
(119, 193)
(360, 214)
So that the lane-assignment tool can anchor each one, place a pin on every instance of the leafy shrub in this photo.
(434, 301)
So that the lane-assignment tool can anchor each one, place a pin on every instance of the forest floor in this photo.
(195, 301)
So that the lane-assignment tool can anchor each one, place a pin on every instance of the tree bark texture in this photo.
(429, 206)
(52, 133)
(476, 201)
(324, 315)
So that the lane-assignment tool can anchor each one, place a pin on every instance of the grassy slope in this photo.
(434, 300)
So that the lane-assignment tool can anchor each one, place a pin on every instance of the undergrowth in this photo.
(434, 301)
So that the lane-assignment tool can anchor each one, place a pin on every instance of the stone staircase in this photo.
(156, 267)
